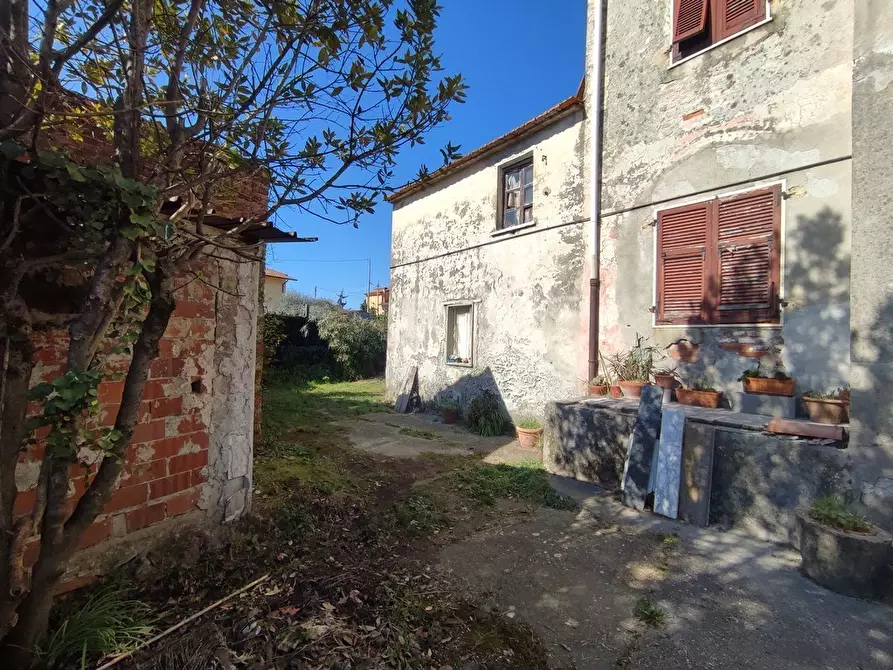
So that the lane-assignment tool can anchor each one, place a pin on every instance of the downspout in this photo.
(595, 87)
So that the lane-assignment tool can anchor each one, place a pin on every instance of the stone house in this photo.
(718, 188)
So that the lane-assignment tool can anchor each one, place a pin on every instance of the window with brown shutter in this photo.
(719, 261)
(698, 24)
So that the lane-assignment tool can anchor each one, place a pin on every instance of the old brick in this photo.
(192, 309)
(199, 439)
(164, 407)
(182, 503)
(110, 414)
(191, 424)
(128, 496)
(96, 533)
(149, 431)
(166, 347)
(31, 552)
(144, 516)
(154, 389)
(163, 368)
(110, 392)
(146, 472)
(173, 484)
(169, 446)
(198, 476)
(67, 585)
(188, 462)
(24, 501)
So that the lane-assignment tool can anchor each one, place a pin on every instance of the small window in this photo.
(698, 24)
(517, 195)
(460, 332)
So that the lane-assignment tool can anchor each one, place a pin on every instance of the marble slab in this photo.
(639, 456)
(669, 462)
(697, 473)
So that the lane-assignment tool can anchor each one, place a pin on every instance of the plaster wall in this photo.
(771, 105)
(528, 286)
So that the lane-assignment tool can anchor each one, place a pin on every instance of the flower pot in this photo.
(616, 391)
(529, 438)
(666, 381)
(768, 386)
(632, 389)
(598, 389)
(450, 414)
(854, 564)
(698, 398)
(826, 410)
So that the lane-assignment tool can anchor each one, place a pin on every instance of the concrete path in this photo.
(730, 601)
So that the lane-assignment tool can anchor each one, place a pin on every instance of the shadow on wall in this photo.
(465, 388)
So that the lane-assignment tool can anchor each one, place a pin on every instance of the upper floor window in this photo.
(698, 24)
(719, 261)
(516, 197)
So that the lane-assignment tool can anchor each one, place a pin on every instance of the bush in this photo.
(833, 511)
(358, 345)
(485, 415)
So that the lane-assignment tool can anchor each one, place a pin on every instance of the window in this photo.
(719, 261)
(516, 198)
(697, 24)
(460, 329)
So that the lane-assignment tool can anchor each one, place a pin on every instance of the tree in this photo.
(295, 303)
(183, 101)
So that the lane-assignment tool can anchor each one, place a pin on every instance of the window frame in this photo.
(713, 23)
(516, 164)
(776, 320)
(470, 304)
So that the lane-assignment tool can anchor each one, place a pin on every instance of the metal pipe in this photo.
(596, 90)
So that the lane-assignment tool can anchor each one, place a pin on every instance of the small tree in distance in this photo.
(183, 101)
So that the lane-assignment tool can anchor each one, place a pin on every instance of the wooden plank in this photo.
(697, 473)
(669, 462)
(407, 390)
(819, 431)
(641, 448)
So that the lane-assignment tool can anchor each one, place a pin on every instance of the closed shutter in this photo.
(689, 18)
(748, 234)
(681, 263)
(736, 15)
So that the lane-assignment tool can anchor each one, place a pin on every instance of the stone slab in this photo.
(696, 473)
(407, 390)
(819, 431)
(784, 407)
(642, 443)
(669, 462)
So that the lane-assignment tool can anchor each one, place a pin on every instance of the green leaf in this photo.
(75, 172)
(42, 390)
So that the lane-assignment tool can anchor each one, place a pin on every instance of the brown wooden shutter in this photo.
(689, 18)
(735, 15)
(681, 263)
(748, 240)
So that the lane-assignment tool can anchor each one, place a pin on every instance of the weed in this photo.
(833, 511)
(521, 481)
(649, 613)
(105, 625)
(415, 432)
(294, 519)
(668, 541)
(419, 515)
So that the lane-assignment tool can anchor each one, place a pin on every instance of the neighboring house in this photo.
(377, 300)
(742, 195)
(274, 288)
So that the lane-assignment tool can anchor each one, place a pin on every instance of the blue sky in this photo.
(519, 58)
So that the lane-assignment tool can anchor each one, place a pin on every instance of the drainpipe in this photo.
(595, 88)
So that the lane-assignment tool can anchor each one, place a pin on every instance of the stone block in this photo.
(783, 407)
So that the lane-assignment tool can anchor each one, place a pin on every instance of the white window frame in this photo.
(673, 63)
(471, 327)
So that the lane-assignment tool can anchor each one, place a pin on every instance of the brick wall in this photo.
(165, 466)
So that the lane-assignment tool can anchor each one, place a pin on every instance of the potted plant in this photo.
(699, 394)
(599, 385)
(529, 432)
(842, 551)
(634, 368)
(449, 409)
(826, 407)
(775, 382)
(666, 378)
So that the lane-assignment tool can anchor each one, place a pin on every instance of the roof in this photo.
(381, 290)
(277, 275)
(562, 109)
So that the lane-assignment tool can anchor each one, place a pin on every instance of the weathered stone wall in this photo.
(770, 106)
(529, 286)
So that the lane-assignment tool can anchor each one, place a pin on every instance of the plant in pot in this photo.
(599, 385)
(449, 409)
(699, 393)
(529, 432)
(633, 368)
(826, 407)
(666, 378)
(842, 551)
(767, 382)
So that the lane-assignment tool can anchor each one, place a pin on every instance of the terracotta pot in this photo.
(768, 386)
(698, 398)
(529, 438)
(826, 410)
(632, 389)
(450, 414)
(666, 381)
(595, 389)
(616, 391)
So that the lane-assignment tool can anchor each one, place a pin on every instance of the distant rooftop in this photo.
(277, 275)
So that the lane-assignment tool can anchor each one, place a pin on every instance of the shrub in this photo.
(485, 415)
(833, 511)
(358, 345)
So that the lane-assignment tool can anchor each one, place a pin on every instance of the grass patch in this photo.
(419, 515)
(833, 511)
(525, 481)
(415, 432)
(649, 613)
(528, 423)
